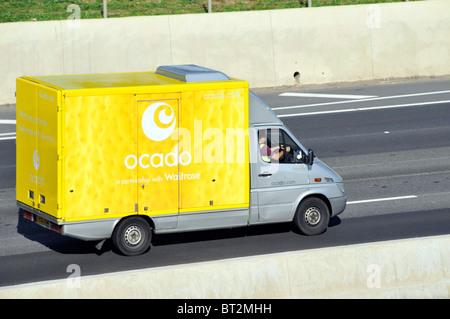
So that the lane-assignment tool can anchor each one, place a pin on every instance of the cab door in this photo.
(281, 175)
(157, 154)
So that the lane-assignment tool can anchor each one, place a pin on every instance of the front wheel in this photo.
(132, 236)
(312, 216)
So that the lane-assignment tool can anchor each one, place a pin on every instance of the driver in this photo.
(270, 153)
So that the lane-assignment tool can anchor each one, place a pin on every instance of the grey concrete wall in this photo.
(412, 268)
(327, 44)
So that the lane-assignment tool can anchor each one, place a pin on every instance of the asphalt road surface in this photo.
(390, 143)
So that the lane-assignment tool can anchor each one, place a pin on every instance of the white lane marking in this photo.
(317, 113)
(364, 108)
(380, 199)
(7, 121)
(362, 100)
(328, 96)
(7, 136)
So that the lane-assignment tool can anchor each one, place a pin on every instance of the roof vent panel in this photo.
(191, 73)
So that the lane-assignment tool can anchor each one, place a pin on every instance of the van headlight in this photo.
(341, 187)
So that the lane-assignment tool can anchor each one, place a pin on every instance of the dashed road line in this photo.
(361, 100)
(7, 121)
(328, 96)
(370, 108)
(380, 199)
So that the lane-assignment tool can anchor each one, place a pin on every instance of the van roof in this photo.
(164, 75)
(191, 73)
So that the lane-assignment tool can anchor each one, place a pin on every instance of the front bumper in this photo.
(338, 205)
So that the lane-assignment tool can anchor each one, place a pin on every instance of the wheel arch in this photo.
(144, 217)
(314, 195)
(149, 221)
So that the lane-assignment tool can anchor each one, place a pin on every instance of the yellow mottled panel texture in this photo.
(218, 122)
(158, 155)
(99, 133)
(25, 141)
(47, 192)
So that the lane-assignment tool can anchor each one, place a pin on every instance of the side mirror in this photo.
(310, 157)
(307, 159)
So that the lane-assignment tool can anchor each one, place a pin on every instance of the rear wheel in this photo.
(312, 216)
(132, 236)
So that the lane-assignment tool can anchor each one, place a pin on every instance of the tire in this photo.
(132, 236)
(312, 216)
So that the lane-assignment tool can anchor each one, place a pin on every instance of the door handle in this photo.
(265, 175)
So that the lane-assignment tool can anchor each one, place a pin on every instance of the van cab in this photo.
(297, 186)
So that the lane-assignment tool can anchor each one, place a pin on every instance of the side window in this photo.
(276, 146)
(264, 145)
(293, 153)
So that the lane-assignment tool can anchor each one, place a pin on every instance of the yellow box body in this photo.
(100, 146)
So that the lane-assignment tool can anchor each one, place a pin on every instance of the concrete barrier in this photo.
(411, 268)
(326, 44)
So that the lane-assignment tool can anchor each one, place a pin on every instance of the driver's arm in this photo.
(277, 155)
